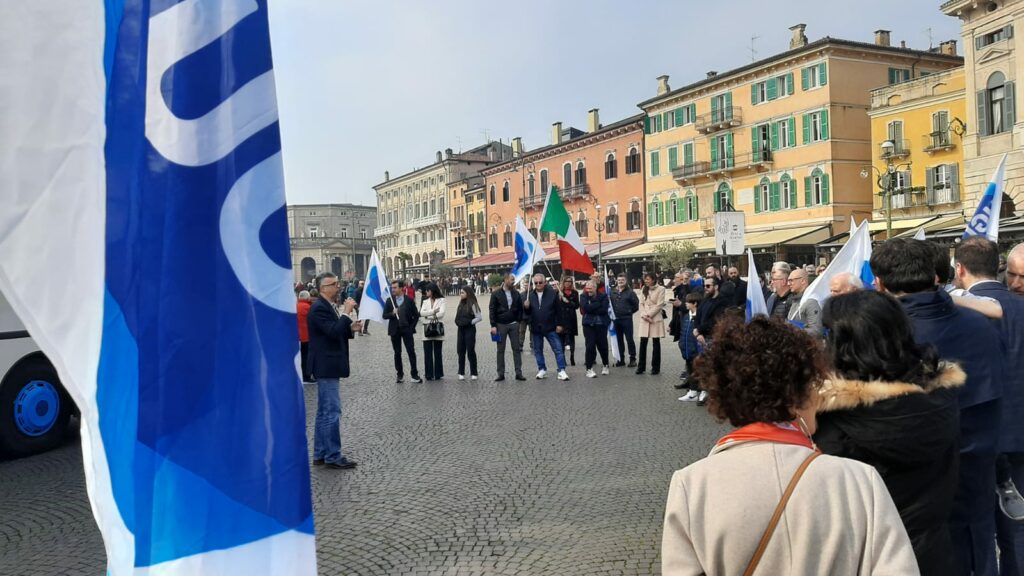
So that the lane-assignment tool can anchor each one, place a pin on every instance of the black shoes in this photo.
(680, 385)
(318, 462)
(345, 464)
(620, 364)
(655, 372)
(520, 377)
(398, 380)
(632, 363)
(500, 378)
(639, 370)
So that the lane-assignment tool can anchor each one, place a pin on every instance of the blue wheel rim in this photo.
(36, 408)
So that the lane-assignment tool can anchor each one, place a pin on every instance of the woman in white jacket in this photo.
(432, 312)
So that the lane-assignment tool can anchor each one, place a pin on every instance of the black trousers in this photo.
(596, 340)
(433, 366)
(655, 354)
(466, 346)
(570, 341)
(304, 350)
(410, 348)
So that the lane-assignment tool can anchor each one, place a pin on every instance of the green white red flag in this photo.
(570, 247)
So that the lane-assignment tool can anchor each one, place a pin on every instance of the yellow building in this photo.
(466, 223)
(924, 120)
(783, 140)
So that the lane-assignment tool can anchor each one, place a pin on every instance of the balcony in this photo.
(455, 225)
(721, 119)
(944, 194)
(938, 141)
(575, 192)
(900, 149)
(908, 198)
(429, 220)
(383, 230)
(531, 201)
(758, 161)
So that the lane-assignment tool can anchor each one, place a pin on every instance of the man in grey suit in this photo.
(806, 315)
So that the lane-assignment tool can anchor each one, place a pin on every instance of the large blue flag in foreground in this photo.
(143, 242)
(985, 221)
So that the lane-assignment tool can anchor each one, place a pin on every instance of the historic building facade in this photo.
(334, 238)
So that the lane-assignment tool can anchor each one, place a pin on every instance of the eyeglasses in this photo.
(322, 286)
(791, 280)
(538, 282)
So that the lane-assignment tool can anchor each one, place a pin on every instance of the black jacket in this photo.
(1011, 328)
(909, 433)
(739, 297)
(709, 311)
(328, 341)
(778, 306)
(404, 321)
(499, 311)
(568, 317)
(544, 315)
(624, 303)
(595, 309)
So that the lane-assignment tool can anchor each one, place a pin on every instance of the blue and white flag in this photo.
(854, 257)
(919, 235)
(985, 221)
(755, 296)
(528, 251)
(143, 242)
(613, 335)
(376, 292)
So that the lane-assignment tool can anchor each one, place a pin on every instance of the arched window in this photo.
(544, 188)
(996, 105)
(505, 192)
(787, 190)
(633, 161)
(655, 213)
(566, 176)
(723, 197)
(673, 214)
(531, 190)
(634, 218)
(416, 259)
(817, 192)
(533, 227)
(581, 173)
(582, 226)
(692, 213)
(492, 239)
(507, 236)
(611, 221)
(611, 168)
(493, 195)
(762, 192)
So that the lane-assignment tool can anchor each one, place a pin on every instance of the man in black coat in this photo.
(905, 268)
(709, 311)
(401, 327)
(329, 334)
(740, 285)
(505, 310)
(977, 264)
(625, 304)
(541, 309)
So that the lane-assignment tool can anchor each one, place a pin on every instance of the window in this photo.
(313, 231)
(655, 213)
(813, 77)
(544, 182)
(672, 213)
(507, 236)
(762, 194)
(611, 221)
(673, 158)
(581, 173)
(530, 186)
(633, 217)
(417, 211)
(783, 134)
(771, 89)
(344, 232)
(493, 196)
(897, 75)
(760, 93)
(582, 224)
(816, 188)
(894, 130)
(566, 176)
(633, 161)
(996, 106)
(433, 207)
(722, 152)
(655, 163)
(545, 236)
(493, 237)
(691, 207)
(940, 130)
(533, 228)
(784, 85)
(721, 107)
(943, 184)
(723, 198)
(610, 167)
(816, 126)
(505, 192)
(1004, 33)
(788, 192)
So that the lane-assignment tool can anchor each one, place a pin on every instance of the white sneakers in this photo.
(690, 396)
(542, 374)
(703, 397)
(473, 377)
(562, 375)
(591, 373)
(604, 371)
(461, 377)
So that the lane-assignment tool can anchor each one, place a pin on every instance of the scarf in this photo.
(780, 433)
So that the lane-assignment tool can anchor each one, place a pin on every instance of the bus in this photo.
(35, 410)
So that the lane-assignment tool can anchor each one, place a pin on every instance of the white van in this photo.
(34, 408)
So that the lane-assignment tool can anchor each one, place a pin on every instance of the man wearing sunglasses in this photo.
(541, 309)
(329, 333)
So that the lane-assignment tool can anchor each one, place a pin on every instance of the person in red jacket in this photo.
(302, 311)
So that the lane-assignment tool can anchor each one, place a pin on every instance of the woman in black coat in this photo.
(892, 405)
(594, 306)
(568, 319)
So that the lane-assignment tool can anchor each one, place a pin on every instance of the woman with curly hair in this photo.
(765, 501)
(892, 404)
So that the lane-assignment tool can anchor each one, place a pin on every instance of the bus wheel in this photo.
(34, 410)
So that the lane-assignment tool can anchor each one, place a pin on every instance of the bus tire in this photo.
(34, 409)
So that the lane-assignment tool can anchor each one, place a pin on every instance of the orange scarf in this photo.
(783, 433)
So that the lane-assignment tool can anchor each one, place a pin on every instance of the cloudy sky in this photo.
(365, 87)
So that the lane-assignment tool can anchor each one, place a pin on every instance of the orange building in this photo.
(600, 177)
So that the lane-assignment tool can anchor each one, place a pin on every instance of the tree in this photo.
(674, 255)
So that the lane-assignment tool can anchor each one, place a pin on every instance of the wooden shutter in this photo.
(714, 107)
(789, 84)
(929, 174)
(755, 144)
(1009, 106)
(729, 196)
(792, 194)
(807, 192)
(681, 210)
(673, 158)
(714, 152)
(757, 197)
(657, 123)
(824, 124)
(693, 112)
(774, 189)
(792, 131)
(718, 200)
(650, 214)
(728, 149)
(824, 188)
(804, 81)
(807, 128)
(822, 75)
(679, 116)
(773, 89)
(775, 136)
(688, 154)
(892, 76)
(696, 207)
(647, 124)
(753, 94)
(954, 181)
(982, 102)
(655, 163)
(667, 116)
(728, 106)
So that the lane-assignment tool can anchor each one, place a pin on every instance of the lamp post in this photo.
(886, 181)
(522, 166)
(599, 226)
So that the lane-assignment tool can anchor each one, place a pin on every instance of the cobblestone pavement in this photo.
(472, 477)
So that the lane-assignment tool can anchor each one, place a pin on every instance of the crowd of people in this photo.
(884, 424)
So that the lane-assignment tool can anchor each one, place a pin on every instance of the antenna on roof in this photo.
(928, 31)
(487, 135)
(753, 51)
(459, 140)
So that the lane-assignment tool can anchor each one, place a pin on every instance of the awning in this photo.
(901, 224)
(646, 249)
(608, 249)
(489, 260)
(802, 236)
(937, 224)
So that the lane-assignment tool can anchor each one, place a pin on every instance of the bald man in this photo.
(1015, 270)
(844, 283)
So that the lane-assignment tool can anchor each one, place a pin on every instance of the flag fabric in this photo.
(571, 250)
(919, 235)
(853, 226)
(376, 291)
(141, 173)
(613, 338)
(528, 251)
(985, 221)
(854, 257)
(755, 297)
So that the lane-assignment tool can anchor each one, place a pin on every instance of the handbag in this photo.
(433, 329)
(777, 515)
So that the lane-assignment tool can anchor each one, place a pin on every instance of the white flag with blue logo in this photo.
(985, 221)
(919, 235)
(528, 251)
(144, 243)
(375, 293)
(613, 334)
(755, 296)
(854, 257)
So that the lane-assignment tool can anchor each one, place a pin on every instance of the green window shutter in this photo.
(892, 76)
(982, 113)
(789, 84)
(822, 75)
(693, 112)
(773, 196)
(1009, 105)
(714, 152)
(775, 136)
(754, 144)
(824, 124)
(804, 81)
(757, 198)
(807, 191)
(753, 94)
(773, 89)
(731, 201)
(696, 208)
(657, 123)
(824, 188)
(688, 154)
(792, 131)
(673, 158)
(807, 128)
(792, 194)
(728, 105)
(669, 218)
(679, 116)
(681, 210)
(666, 117)
(906, 74)
(647, 124)
(655, 163)
(660, 209)
(728, 149)
(714, 106)
(718, 201)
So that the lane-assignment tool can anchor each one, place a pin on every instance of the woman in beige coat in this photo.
(839, 519)
(652, 323)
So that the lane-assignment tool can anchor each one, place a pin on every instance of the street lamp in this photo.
(599, 226)
(523, 167)
(886, 181)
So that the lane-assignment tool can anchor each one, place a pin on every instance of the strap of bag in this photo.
(777, 515)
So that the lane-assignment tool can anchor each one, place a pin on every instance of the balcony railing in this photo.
(455, 224)
(429, 220)
(531, 201)
(575, 192)
(900, 149)
(938, 141)
(748, 161)
(383, 230)
(908, 198)
(944, 194)
(720, 119)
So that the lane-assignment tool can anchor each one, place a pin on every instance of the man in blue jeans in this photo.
(541, 309)
(329, 334)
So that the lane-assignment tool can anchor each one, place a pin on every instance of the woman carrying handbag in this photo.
(432, 312)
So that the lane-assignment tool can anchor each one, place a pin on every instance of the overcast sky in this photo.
(365, 87)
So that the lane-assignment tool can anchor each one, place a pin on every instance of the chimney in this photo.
(799, 40)
(492, 154)
(663, 86)
(712, 73)
(517, 147)
(593, 121)
(556, 133)
(387, 176)
(447, 152)
(881, 37)
(948, 47)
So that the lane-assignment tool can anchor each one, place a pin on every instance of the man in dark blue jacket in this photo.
(977, 264)
(329, 334)
(541, 309)
(401, 328)
(905, 268)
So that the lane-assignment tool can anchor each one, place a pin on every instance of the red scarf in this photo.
(784, 433)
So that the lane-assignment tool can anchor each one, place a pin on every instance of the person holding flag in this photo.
(571, 250)
(528, 252)
(402, 315)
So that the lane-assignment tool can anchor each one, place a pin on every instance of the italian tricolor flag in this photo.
(570, 248)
